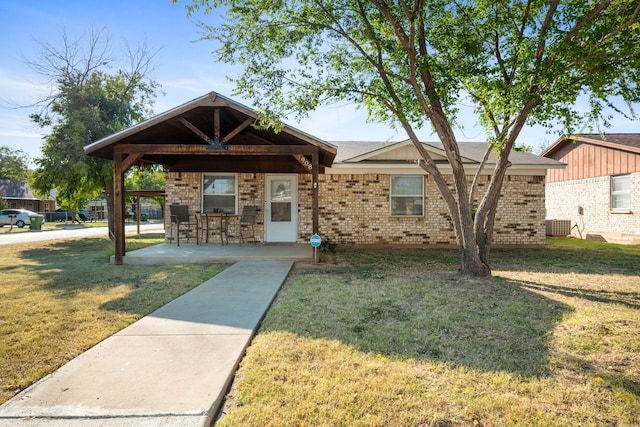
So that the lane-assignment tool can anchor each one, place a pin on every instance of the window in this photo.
(407, 195)
(621, 192)
(219, 193)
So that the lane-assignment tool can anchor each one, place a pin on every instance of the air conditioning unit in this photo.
(558, 227)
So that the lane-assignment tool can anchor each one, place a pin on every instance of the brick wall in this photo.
(564, 198)
(185, 188)
(354, 209)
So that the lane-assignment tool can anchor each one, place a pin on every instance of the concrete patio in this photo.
(191, 253)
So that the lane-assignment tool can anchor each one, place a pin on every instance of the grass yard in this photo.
(393, 338)
(59, 298)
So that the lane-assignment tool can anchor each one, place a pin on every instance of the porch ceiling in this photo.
(181, 139)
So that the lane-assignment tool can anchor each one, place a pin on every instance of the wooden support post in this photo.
(138, 213)
(216, 123)
(315, 204)
(118, 206)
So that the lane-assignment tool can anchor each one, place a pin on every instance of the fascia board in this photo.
(358, 169)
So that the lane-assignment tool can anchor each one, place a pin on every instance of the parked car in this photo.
(19, 217)
(85, 215)
(59, 215)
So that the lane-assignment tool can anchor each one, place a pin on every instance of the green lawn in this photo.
(394, 338)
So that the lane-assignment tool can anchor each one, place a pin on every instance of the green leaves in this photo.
(14, 164)
(504, 55)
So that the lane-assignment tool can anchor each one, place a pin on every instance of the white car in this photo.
(20, 217)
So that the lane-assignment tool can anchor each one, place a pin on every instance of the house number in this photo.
(304, 162)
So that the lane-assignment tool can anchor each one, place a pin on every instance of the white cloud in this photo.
(13, 133)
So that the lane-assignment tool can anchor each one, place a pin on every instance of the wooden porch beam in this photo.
(308, 165)
(130, 160)
(194, 129)
(239, 129)
(190, 149)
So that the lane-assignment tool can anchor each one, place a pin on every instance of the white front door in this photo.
(281, 210)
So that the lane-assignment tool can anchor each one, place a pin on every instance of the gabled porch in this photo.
(213, 134)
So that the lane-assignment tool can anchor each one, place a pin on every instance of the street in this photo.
(7, 238)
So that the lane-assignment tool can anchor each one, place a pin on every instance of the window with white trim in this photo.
(621, 192)
(407, 195)
(219, 193)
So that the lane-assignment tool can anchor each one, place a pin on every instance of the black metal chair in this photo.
(182, 220)
(246, 223)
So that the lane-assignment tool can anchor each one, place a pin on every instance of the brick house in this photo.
(598, 193)
(348, 192)
(19, 196)
(374, 193)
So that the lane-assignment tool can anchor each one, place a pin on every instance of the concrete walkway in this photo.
(171, 368)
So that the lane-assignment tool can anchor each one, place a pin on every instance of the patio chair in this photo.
(246, 223)
(181, 219)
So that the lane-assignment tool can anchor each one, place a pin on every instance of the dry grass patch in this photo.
(393, 338)
(58, 299)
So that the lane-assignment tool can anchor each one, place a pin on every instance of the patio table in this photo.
(215, 222)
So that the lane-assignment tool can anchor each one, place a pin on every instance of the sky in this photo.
(184, 67)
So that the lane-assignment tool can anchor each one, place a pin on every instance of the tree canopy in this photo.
(88, 102)
(152, 177)
(14, 164)
(411, 63)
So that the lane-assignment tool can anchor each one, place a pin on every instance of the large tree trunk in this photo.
(471, 263)
(109, 194)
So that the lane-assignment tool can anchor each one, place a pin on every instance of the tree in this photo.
(87, 103)
(14, 164)
(411, 63)
(151, 177)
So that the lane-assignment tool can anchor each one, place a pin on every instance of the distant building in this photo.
(19, 196)
(598, 193)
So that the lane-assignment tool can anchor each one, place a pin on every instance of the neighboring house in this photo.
(19, 196)
(598, 193)
(348, 192)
